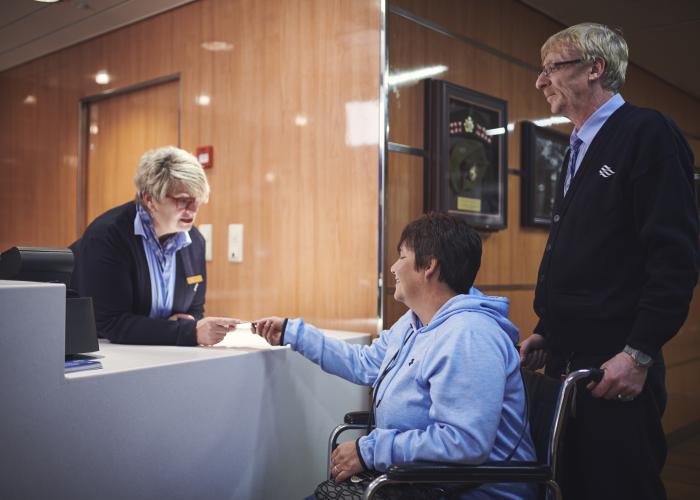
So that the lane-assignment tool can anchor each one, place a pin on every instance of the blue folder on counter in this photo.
(77, 365)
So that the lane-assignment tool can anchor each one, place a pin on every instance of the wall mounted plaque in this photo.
(543, 151)
(466, 172)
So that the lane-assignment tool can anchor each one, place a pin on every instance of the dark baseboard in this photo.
(683, 434)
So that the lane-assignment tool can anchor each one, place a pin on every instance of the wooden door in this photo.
(120, 129)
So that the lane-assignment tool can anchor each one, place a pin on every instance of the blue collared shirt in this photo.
(161, 262)
(592, 126)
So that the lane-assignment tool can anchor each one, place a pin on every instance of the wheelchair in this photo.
(548, 405)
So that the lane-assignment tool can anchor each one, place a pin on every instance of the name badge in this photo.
(192, 280)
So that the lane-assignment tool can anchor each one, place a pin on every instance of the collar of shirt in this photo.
(595, 122)
(143, 226)
(161, 262)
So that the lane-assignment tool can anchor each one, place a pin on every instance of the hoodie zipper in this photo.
(394, 363)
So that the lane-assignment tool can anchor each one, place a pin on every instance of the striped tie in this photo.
(571, 171)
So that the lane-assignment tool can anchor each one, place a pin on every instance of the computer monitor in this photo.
(48, 265)
(55, 265)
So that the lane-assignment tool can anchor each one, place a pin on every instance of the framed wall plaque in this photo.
(543, 152)
(466, 169)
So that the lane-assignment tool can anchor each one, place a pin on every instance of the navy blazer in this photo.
(111, 267)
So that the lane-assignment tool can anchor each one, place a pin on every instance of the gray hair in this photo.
(161, 170)
(595, 41)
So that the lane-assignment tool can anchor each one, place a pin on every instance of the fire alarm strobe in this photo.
(205, 156)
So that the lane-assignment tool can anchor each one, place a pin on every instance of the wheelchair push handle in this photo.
(591, 374)
(596, 374)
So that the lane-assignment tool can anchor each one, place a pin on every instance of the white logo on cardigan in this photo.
(606, 171)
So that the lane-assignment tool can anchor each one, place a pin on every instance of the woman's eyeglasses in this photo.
(185, 202)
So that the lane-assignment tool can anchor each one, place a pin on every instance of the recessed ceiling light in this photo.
(48, 1)
(30, 99)
(216, 46)
(102, 77)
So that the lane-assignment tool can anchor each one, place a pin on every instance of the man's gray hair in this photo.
(595, 41)
(161, 170)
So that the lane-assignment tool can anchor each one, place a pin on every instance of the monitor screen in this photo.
(51, 265)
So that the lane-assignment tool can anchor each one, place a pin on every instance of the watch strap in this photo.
(640, 358)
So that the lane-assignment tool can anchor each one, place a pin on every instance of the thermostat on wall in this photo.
(205, 156)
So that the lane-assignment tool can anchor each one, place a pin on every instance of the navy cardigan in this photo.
(622, 256)
(111, 267)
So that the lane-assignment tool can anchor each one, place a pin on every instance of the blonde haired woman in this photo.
(143, 262)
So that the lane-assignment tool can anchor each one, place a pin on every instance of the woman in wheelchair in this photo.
(446, 376)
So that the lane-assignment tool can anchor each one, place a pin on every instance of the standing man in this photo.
(619, 267)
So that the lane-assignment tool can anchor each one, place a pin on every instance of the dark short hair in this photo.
(450, 240)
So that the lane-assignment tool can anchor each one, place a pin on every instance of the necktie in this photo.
(571, 171)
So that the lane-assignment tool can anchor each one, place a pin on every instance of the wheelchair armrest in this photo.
(356, 420)
(357, 417)
(490, 472)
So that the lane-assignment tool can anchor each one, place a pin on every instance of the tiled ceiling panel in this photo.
(30, 29)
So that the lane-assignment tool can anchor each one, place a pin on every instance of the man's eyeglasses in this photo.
(551, 67)
(184, 202)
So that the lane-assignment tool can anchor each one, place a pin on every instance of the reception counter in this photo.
(158, 422)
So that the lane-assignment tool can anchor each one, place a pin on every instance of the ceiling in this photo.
(30, 29)
(664, 36)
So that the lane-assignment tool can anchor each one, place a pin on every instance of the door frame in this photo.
(84, 131)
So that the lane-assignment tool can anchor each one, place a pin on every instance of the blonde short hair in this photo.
(161, 170)
(595, 41)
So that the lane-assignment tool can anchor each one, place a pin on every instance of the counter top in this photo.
(117, 358)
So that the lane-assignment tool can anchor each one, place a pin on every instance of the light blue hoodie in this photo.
(454, 394)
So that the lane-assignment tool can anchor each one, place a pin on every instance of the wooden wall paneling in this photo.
(404, 185)
(683, 396)
(477, 20)
(519, 31)
(406, 113)
(37, 168)
(287, 165)
(65, 92)
(307, 199)
(685, 346)
(511, 255)
(405, 198)
(416, 46)
(139, 52)
(120, 128)
(682, 356)
(644, 89)
(16, 185)
(294, 188)
(409, 50)
(509, 27)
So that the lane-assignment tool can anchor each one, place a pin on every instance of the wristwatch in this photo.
(640, 358)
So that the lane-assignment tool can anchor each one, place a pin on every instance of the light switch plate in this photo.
(235, 242)
(205, 229)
